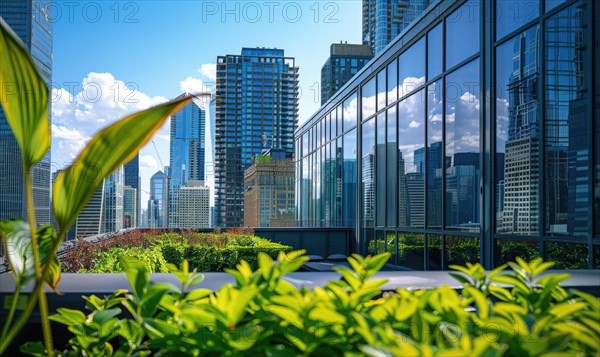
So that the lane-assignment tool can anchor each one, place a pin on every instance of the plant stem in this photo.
(11, 312)
(39, 280)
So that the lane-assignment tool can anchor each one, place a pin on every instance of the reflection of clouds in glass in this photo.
(413, 124)
(368, 137)
(409, 84)
(369, 105)
(408, 154)
(465, 133)
(350, 111)
(501, 122)
(435, 114)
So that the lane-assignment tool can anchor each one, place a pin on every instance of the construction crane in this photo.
(167, 177)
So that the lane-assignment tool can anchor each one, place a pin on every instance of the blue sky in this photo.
(114, 57)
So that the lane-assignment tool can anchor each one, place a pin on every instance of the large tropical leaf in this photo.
(111, 147)
(24, 97)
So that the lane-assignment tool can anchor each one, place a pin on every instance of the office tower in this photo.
(133, 180)
(256, 109)
(31, 21)
(383, 20)
(187, 152)
(193, 209)
(269, 192)
(113, 201)
(90, 220)
(144, 222)
(130, 208)
(343, 63)
(157, 204)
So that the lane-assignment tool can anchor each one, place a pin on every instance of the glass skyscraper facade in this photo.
(187, 152)
(132, 179)
(383, 20)
(343, 63)
(157, 204)
(30, 20)
(256, 109)
(445, 151)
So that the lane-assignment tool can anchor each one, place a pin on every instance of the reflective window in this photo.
(507, 250)
(566, 162)
(462, 148)
(434, 52)
(461, 250)
(380, 176)
(596, 255)
(338, 189)
(391, 247)
(381, 90)
(368, 173)
(517, 135)
(435, 154)
(412, 68)
(368, 98)
(512, 14)
(349, 182)
(411, 161)
(411, 250)
(461, 25)
(567, 255)
(350, 112)
(392, 82)
(391, 166)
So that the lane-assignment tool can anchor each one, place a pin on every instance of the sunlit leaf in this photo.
(17, 241)
(111, 147)
(24, 97)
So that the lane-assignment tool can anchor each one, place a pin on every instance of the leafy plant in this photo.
(516, 312)
(31, 251)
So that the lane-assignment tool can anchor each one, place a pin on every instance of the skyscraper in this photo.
(132, 179)
(157, 204)
(187, 152)
(130, 208)
(31, 21)
(383, 20)
(112, 218)
(344, 62)
(256, 109)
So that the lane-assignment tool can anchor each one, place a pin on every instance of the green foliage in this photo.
(24, 97)
(204, 251)
(152, 259)
(515, 312)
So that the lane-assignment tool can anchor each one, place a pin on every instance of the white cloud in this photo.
(99, 101)
(192, 85)
(148, 163)
(413, 124)
(209, 70)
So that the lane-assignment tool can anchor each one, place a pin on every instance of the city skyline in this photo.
(126, 59)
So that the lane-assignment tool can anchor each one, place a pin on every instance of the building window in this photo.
(412, 68)
(463, 197)
(462, 24)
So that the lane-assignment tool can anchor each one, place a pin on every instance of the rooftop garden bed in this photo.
(206, 252)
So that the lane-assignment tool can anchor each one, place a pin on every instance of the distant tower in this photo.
(256, 96)
(187, 150)
(157, 204)
(343, 63)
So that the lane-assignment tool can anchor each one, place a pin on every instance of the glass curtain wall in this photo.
(437, 173)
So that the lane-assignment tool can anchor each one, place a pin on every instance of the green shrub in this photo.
(152, 258)
(515, 312)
